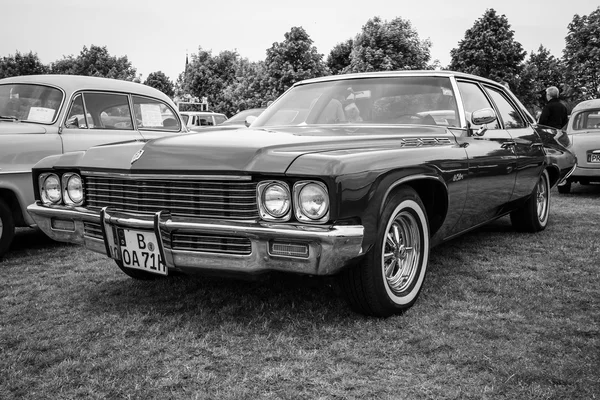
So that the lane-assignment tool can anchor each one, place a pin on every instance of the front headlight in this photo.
(274, 200)
(50, 190)
(73, 189)
(311, 201)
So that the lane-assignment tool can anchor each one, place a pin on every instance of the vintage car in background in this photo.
(355, 176)
(241, 120)
(198, 120)
(51, 114)
(583, 130)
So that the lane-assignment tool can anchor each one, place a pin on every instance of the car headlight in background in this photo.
(72, 189)
(50, 189)
(311, 201)
(274, 201)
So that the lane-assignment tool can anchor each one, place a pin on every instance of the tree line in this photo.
(231, 82)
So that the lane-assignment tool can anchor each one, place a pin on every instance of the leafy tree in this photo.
(21, 64)
(338, 60)
(96, 61)
(293, 60)
(388, 46)
(160, 81)
(582, 56)
(540, 71)
(489, 50)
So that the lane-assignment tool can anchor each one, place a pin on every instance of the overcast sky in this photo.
(156, 34)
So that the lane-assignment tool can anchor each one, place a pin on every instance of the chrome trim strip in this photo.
(166, 176)
(13, 172)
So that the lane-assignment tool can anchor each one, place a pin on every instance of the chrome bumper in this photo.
(329, 248)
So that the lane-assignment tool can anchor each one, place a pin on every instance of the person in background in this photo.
(554, 113)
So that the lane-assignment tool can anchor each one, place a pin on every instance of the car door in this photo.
(492, 161)
(97, 118)
(155, 118)
(528, 145)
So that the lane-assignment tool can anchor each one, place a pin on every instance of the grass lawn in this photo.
(503, 315)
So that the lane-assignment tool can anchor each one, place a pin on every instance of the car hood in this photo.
(248, 150)
(18, 128)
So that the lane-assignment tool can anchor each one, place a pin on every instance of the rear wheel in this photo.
(7, 227)
(138, 274)
(390, 277)
(533, 215)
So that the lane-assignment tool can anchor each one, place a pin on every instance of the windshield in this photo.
(30, 103)
(240, 117)
(384, 100)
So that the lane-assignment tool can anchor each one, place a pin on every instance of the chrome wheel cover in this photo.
(542, 198)
(401, 252)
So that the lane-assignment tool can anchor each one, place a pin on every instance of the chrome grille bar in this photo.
(228, 199)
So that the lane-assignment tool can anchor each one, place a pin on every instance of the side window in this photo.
(154, 114)
(474, 99)
(108, 111)
(76, 118)
(510, 116)
(219, 119)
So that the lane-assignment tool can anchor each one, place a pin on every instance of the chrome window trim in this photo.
(167, 176)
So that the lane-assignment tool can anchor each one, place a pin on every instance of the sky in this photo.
(156, 35)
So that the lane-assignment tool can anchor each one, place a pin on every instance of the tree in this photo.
(21, 64)
(338, 60)
(540, 71)
(160, 81)
(96, 61)
(489, 50)
(582, 56)
(388, 46)
(293, 60)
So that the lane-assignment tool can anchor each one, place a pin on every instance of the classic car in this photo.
(583, 130)
(424, 156)
(241, 120)
(42, 115)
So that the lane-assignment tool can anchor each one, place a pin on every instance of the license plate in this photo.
(594, 158)
(136, 249)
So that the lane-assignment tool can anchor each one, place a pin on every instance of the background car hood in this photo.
(17, 128)
(248, 150)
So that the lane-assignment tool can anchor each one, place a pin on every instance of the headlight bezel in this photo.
(67, 197)
(267, 214)
(44, 197)
(299, 212)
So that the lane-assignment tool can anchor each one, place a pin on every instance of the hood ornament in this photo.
(137, 156)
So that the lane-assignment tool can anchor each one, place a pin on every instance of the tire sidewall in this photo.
(413, 205)
(8, 228)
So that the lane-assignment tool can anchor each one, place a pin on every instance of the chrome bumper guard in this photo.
(329, 248)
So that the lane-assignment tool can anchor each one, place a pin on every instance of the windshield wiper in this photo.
(9, 117)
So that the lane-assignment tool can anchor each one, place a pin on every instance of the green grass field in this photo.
(503, 315)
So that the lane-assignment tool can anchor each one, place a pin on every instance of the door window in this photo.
(154, 114)
(76, 118)
(474, 99)
(510, 116)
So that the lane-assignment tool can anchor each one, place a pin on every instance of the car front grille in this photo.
(224, 200)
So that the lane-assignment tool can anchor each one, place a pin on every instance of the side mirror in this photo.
(249, 120)
(483, 117)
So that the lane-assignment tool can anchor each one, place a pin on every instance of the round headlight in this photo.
(51, 189)
(313, 201)
(276, 200)
(73, 189)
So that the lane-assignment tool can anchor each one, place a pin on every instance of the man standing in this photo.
(555, 113)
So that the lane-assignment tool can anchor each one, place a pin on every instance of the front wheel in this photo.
(7, 227)
(390, 277)
(533, 215)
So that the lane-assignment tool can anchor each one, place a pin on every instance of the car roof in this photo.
(72, 83)
(381, 74)
(587, 104)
